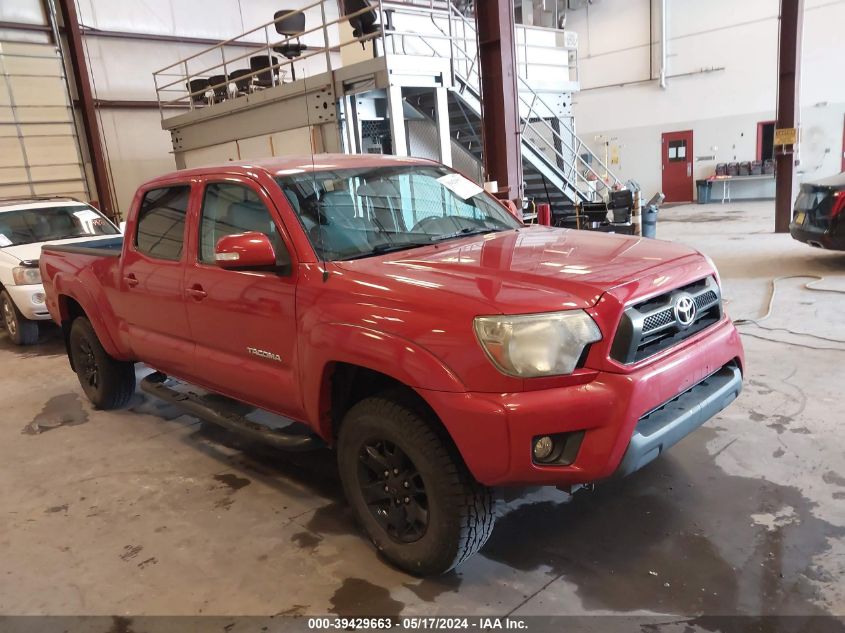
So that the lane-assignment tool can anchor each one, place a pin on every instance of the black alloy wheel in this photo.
(86, 364)
(393, 490)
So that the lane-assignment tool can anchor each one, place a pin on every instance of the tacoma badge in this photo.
(264, 354)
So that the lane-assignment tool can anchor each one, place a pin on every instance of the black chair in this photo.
(290, 24)
(220, 86)
(198, 86)
(264, 63)
(243, 84)
(366, 23)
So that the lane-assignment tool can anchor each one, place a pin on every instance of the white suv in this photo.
(25, 225)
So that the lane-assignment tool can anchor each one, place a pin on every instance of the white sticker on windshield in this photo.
(462, 187)
(87, 214)
(5, 241)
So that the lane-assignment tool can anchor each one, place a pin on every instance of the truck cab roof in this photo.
(289, 165)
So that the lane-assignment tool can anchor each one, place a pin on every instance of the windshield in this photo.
(354, 213)
(29, 226)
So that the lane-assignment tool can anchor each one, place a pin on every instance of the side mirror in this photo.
(245, 250)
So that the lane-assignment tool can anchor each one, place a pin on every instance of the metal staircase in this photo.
(558, 167)
(465, 130)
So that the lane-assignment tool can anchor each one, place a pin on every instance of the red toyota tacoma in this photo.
(391, 309)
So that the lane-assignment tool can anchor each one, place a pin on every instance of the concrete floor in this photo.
(146, 511)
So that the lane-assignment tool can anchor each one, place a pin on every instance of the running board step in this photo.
(193, 403)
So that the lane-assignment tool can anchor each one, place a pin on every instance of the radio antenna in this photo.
(312, 140)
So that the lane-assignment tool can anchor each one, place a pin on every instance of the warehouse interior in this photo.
(617, 137)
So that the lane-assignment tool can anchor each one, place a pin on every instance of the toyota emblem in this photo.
(684, 310)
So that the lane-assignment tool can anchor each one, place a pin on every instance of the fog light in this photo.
(543, 447)
(38, 297)
(559, 449)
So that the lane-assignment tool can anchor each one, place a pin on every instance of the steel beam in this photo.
(79, 68)
(441, 115)
(500, 112)
(789, 84)
(396, 107)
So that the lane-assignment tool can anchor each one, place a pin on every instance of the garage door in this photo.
(39, 151)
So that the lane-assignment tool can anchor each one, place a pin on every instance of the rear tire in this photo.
(431, 515)
(108, 383)
(21, 330)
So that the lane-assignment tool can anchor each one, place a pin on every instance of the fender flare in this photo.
(75, 290)
(389, 354)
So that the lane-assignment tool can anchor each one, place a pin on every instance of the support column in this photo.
(441, 115)
(499, 97)
(789, 85)
(82, 82)
(397, 120)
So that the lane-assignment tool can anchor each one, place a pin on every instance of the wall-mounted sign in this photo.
(786, 136)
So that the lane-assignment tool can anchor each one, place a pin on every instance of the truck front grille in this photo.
(653, 325)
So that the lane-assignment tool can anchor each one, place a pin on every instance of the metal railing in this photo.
(433, 28)
(173, 82)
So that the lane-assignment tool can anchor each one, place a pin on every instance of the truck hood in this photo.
(534, 269)
(31, 252)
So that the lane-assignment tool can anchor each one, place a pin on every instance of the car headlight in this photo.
(712, 265)
(25, 276)
(532, 345)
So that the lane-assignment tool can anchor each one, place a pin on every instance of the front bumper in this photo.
(23, 296)
(666, 426)
(494, 432)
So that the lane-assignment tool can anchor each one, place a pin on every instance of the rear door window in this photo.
(161, 222)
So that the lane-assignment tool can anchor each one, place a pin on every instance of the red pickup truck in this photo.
(391, 309)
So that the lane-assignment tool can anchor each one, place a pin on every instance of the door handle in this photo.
(131, 280)
(197, 292)
(689, 170)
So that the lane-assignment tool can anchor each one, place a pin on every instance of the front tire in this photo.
(108, 383)
(409, 489)
(21, 330)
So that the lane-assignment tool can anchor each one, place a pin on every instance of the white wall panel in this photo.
(138, 149)
(27, 11)
(215, 19)
(723, 107)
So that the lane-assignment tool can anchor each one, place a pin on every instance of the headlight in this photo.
(25, 276)
(712, 265)
(532, 345)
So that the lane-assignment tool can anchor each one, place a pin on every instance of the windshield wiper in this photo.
(66, 237)
(463, 233)
(381, 249)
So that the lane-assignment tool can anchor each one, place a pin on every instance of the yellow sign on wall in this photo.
(786, 136)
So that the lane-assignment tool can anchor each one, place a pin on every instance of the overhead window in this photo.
(161, 222)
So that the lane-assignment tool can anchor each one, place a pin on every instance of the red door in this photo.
(243, 322)
(676, 148)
